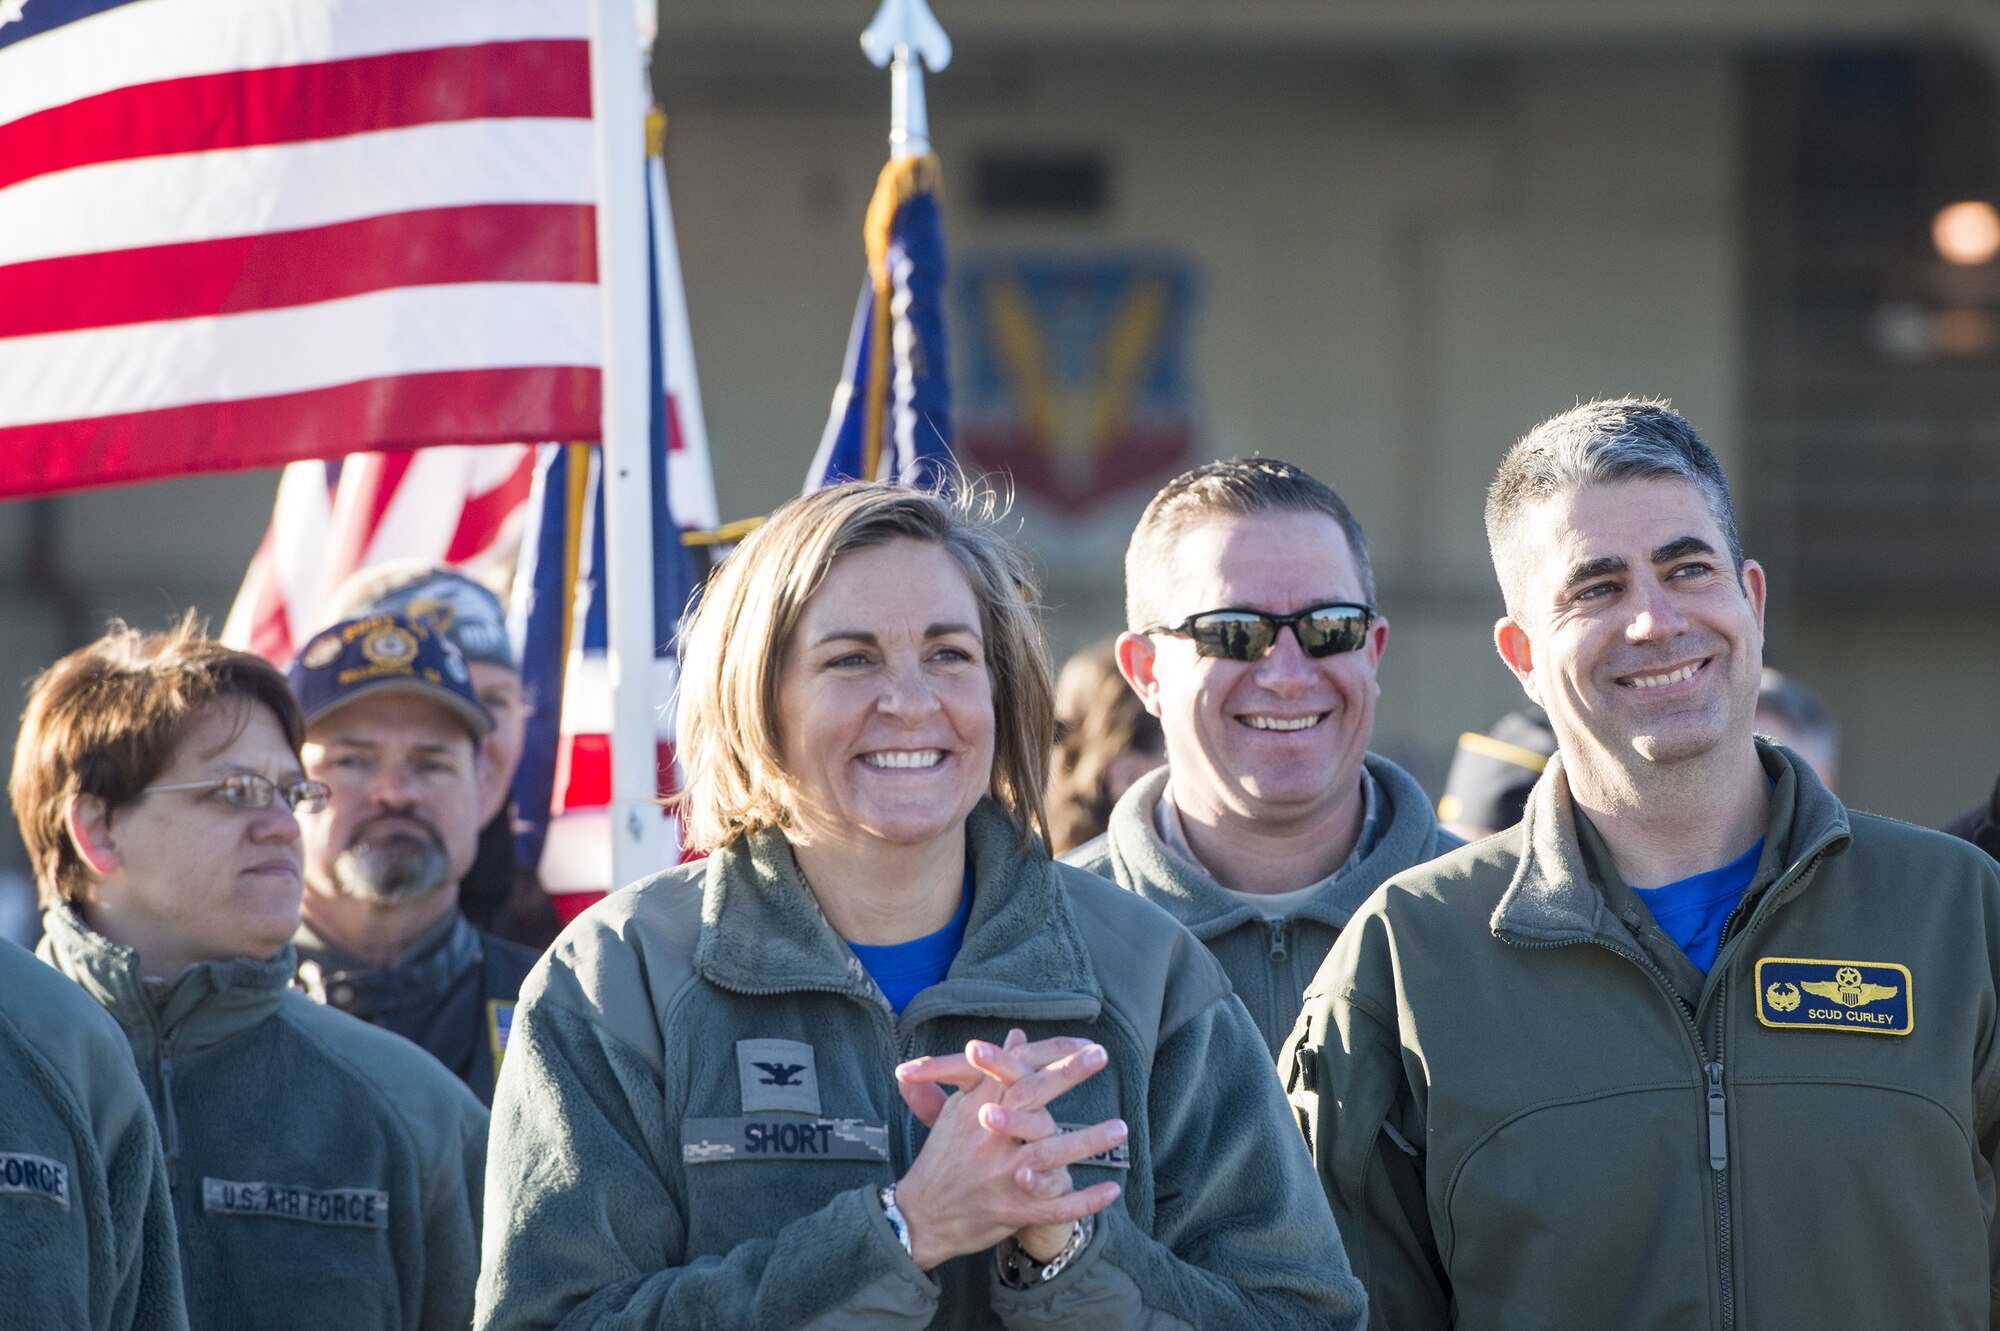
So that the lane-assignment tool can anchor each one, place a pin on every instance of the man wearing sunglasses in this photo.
(394, 729)
(323, 1174)
(1254, 639)
(1691, 1045)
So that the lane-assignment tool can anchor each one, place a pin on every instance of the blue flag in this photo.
(891, 418)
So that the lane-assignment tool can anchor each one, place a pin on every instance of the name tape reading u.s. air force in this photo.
(781, 1136)
(23, 1175)
(1864, 997)
(359, 1208)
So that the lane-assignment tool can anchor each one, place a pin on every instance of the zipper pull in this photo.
(1718, 1119)
(1277, 940)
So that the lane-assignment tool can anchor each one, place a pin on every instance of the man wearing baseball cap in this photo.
(394, 730)
(495, 895)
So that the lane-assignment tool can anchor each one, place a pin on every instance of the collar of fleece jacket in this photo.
(762, 932)
(214, 1002)
(1552, 896)
(1410, 835)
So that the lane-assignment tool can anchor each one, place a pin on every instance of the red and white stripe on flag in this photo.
(575, 868)
(455, 505)
(235, 233)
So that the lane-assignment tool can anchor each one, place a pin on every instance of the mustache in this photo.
(428, 828)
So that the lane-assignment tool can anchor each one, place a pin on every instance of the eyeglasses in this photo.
(1247, 635)
(250, 792)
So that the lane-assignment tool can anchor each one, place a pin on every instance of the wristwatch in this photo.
(1020, 1269)
(887, 1196)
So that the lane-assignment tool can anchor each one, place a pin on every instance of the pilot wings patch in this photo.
(1865, 997)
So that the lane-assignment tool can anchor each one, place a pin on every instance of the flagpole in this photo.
(638, 832)
(905, 36)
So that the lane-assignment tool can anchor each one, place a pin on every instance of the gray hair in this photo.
(1629, 439)
(1232, 488)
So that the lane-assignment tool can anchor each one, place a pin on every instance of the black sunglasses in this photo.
(1246, 635)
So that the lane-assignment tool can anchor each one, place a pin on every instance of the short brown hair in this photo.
(733, 651)
(1234, 487)
(105, 721)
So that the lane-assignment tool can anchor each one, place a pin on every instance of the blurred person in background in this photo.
(1082, 1131)
(1256, 641)
(1105, 741)
(1492, 773)
(1793, 715)
(325, 1174)
(395, 732)
(495, 895)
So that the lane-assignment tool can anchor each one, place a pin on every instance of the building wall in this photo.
(1407, 260)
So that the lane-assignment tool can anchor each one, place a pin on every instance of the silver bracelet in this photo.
(887, 1196)
(1020, 1269)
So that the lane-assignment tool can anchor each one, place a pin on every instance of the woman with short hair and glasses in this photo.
(324, 1172)
(878, 1061)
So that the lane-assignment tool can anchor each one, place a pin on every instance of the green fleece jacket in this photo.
(1529, 1110)
(698, 1107)
(325, 1174)
(86, 1225)
(1270, 962)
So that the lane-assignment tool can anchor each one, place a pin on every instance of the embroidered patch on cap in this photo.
(1869, 997)
(777, 1074)
(361, 1208)
(708, 1141)
(24, 1175)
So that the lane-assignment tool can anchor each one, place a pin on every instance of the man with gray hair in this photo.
(1652, 1058)
(1255, 638)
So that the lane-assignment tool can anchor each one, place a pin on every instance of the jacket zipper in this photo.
(164, 1061)
(1277, 941)
(1714, 1090)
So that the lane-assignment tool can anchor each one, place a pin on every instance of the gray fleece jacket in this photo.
(698, 1107)
(325, 1174)
(1270, 962)
(86, 1225)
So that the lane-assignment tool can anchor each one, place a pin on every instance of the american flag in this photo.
(454, 505)
(468, 505)
(236, 233)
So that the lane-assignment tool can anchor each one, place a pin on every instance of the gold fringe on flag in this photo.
(901, 180)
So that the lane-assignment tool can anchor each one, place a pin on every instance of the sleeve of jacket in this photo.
(586, 1224)
(1344, 1074)
(148, 1294)
(455, 1178)
(1241, 1234)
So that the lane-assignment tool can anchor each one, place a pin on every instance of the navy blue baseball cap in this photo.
(375, 654)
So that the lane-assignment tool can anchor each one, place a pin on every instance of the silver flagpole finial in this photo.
(906, 37)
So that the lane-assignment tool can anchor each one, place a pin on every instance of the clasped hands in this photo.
(995, 1163)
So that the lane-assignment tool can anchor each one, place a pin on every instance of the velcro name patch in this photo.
(777, 1074)
(357, 1208)
(708, 1141)
(1809, 994)
(1118, 1157)
(23, 1175)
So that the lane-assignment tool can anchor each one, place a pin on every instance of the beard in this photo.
(397, 867)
